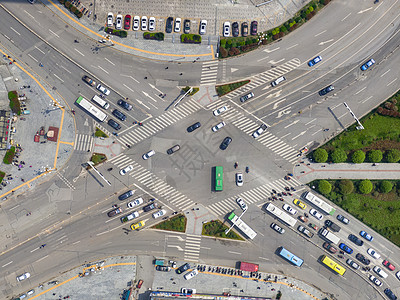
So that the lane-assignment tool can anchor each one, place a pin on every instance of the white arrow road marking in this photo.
(148, 96)
(300, 134)
(140, 102)
(276, 62)
(177, 236)
(277, 103)
(175, 246)
(283, 112)
(363, 11)
(233, 70)
(323, 43)
(272, 50)
(293, 123)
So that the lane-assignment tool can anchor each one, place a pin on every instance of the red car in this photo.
(329, 247)
(388, 265)
(139, 285)
(127, 23)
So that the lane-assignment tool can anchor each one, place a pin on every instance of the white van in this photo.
(104, 104)
(380, 272)
(278, 81)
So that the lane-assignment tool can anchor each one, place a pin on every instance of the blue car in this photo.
(367, 64)
(345, 248)
(314, 61)
(366, 236)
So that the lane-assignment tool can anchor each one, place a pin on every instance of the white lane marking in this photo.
(34, 249)
(291, 124)
(366, 99)
(360, 90)
(77, 242)
(54, 33)
(276, 62)
(42, 258)
(15, 30)
(385, 73)
(15, 206)
(345, 17)
(103, 69)
(291, 47)
(310, 121)
(272, 50)
(58, 77)
(391, 82)
(262, 59)
(7, 264)
(109, 61)
(323, 43)
(68, 71)
(33, 57)
(263, 258)
(363, 11)
(39, 50)
(319, 33)
(233, 252)
(81, 53)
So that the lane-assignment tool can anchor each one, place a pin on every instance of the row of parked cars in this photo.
(234, 30)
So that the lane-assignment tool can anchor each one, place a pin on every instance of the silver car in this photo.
(218, 126)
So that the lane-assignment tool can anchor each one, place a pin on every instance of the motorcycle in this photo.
(247, 170)
(109, 169)
(340, 256)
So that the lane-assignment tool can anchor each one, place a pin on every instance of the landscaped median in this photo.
(217, 228)
(227, 88)
(177, 223)
(120, 33)
(191, 38)
(72, 8)
(158, 36)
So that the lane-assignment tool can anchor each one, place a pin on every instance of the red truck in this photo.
(245, 266)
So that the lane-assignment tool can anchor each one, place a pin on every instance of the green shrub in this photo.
(2, 175)
(338, 156)
(324, 187)
(226, 88)
(358, 157)
(346, 186)
(393, 156)
(320, 155)
(222, 43)
(8, 158)
(14, 102)
(191, 38)
(375, 156)
(385, 186)
(365, 187)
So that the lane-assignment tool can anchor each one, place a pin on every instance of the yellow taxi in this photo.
(299, 203)
(137, 225)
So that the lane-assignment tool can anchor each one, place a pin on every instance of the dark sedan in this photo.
(355, 240)
(253, 29)
(114, 124)
(235, 29)
(119, 115)
(326, 90)
(169, 24)
(183, 268)
(193, 127)
(363, 259)
(124, 104)
(225, 143)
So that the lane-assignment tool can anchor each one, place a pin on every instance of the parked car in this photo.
(220, 110)
(124, 104)
(183, 268)
(150, 207)
(178, 22)
(343, 219)
(159, 213)
(114, 124)
(225, 143)
(188, 291)
(129, 217)
(388, 265)
(380, 272)
(139, 285)
(300, 204)
(125, 170)
(313, 226)
(289, 209)
(218, 126)
(241, 203)
(127, 23)
(277, 228)
(332, 226)
(135, 202)
(152, 24)
(375, 280)
(329, 247)
(352, 264)
(193, 127)
(366, 236)
(186, 26)
(169, 24)
(163, 268)
(88, 80)
(103, 89)
(326, 90)
(355, 240)
(118, 22)
(253, 29)
(227, 29)
(137, 225)
(119, 115)
(345, 248)
(24, 276)
(136, 23)
(203, 27)
(126, 195)
(246, 97)
(314, 61)
(148, 154)
(316, 214)
(373, 253)
(191, 274)
(363, 259)
(259, 131)
(144, 23)
(303, 219)
(305, 231)
(239, 179)
(398, 275)
(114, 212)
(173, 149)
(235, 29)
(388, 292)
(110, 19)
(245, 29)
(368, 64)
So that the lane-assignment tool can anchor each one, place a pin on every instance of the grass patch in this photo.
(100, 133)
(8, 158)
(217, 228)
(2, 175)
(98, 158)
(227, 88)
(14, 102)
(177, 223)
(194, 91)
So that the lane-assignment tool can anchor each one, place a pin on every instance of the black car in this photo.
(253, 30)
(119, 115)
(183, 268)
(355, 240)
(235, 29)
(186, 26)
(245, 29)
(326, 90)
(126, 195)
(225, 143)
(364, 260)
(114, 124)
(149, 207)
(334, 227)
(193, 127)
(390, 294)
(169, 24)
(124, 104)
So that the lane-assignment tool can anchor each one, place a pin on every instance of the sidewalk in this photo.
(196, 217)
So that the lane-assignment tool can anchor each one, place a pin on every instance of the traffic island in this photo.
(217, 229)
(177, 223)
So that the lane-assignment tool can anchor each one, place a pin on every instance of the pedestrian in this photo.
(181, 74)
(23, 180)
(145, 77)
(166, 68)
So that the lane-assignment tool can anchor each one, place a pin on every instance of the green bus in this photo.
(219, 178)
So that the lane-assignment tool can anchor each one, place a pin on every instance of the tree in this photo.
(393, 156)
(365, 187)
(338, 155)
(375, 156)
(346, 186)
(324, 187)
(320, 155)
(358, 157)
(385, 186)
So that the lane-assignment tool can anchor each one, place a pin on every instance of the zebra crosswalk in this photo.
(192, 247)
(151, 181)
(140, 133)
(267, 139)
(209, 72)
(260, 193)
(83, 142)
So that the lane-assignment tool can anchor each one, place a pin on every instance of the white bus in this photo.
(318, 202)
(280, 214)
(242, 226)
(90, 108)
(101, 102)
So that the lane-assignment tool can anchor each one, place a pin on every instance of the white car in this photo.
(188, 291)
(159, 214)
(218, 126)
(373, 253)
(135, 202)
(227, 29)
(241, 203)
(289, 209)
(136, 21)
(178, 23)
(152, 24)
(375, 280)
(398, 275)
(110, 19)
(203, 26)
(130, 217)
(148, 154)
(260, 130)
(316, 214)
(118, 22)
(126, 170)
(103, 89)
(23, 276)
(220, 110)
(239, 179)
(144, 23)
(277, 228)
(31, 292)
(191, 274)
